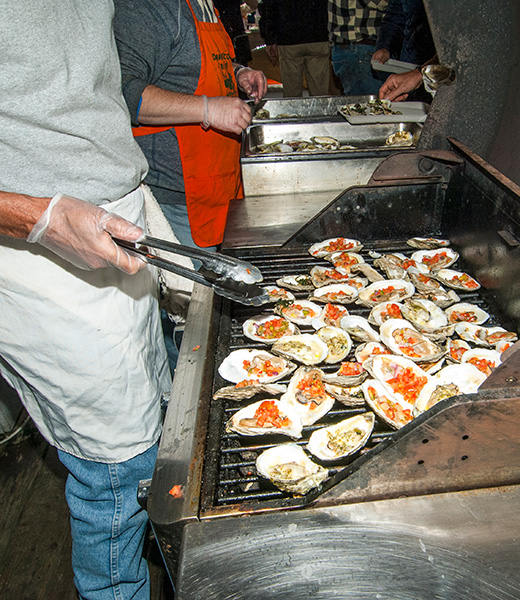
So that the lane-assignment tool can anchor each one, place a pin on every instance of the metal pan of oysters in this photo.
(388, 351)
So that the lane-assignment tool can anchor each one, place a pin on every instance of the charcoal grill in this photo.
(430, 511)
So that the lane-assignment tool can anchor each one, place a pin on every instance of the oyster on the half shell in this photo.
(331, 245)
(289, 468)
(466, 312)
(266, 417)
(305, 348)
(385, 291)
(301, 312)
(428, 243)
(359, 328)
(246, 363)
(338, 342)
(457, 280)
(337, 293)
(485, 359)
(249, 388)
(484, 336)
(403, 338)
(387, 407)
(306, 395)
(436, 259)
(268, 328)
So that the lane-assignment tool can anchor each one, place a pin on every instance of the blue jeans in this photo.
(108, 526)
(352, 65)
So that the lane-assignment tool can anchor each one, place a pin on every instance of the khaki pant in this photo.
(313, 60)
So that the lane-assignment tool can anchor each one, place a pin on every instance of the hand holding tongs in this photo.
(229, 277)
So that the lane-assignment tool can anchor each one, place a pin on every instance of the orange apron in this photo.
(210, 159)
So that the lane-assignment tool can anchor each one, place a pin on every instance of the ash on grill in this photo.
(237, 478)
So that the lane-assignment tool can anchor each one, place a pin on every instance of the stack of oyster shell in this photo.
(419, 345)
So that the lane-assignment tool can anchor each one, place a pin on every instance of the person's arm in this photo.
(78, 231)
(397, 87)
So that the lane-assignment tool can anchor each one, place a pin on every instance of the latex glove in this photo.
(228, 114)
(397, 87)
(253, 82)
(381, 56)
(272, 53)
(80, 233)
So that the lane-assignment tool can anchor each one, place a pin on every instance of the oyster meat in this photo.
(452, 380)
(359, 328)
(399, 138)
(305, 348)
(244, 364)
(456, 349)
(427, 317)
(338, 343)
(289, 468)
(402, 338)
(249, 388)
(387, 407)
(349, 396)
(485, 359)
(266, 416)
(268, 328)
(428, 243)
(365, 351)
(321, 276)
(484, 336)
(338, 293)
(297, 283)
(457, 280)
(344, 261)
(301, 312)
(384, 311)
(321, 249)
(350, 373)
(342, 439)
(330, 317)
(306, 395)
(436, 259)
(466, 312)
(385, 291)
(277, 293)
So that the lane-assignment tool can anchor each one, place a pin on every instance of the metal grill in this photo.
(230, 476)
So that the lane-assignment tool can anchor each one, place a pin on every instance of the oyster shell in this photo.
(457, 280)
(466, 312)
(429, 243)
(245, 363)
(484, 336)
(321, 249)
(321, 276)
(359, 328)
(268, 328)
(384, 311)
(342, 439)
(277, 293)
(484, 359)
(403, 378)
(403, 338)
(436, 259)
(456, 349)
(369, 272)
(423, 282)
(344, 261)
(338, 343)
(503, 345)
(330, 316)
(349, 396)
(350, 373)
(338, 293)
(442, 298)
(392, 265)
(289, 468)
(453, 380)
(305, 348)
(249, 388)
(399, 138)
(325, 142)
(427, 316)
(384, 291)
(386, 406)
(266, 417)
(301, 312)
(369, 349)
(306, 395)
(297, 283)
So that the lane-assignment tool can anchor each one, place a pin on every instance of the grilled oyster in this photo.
(453, 380)
(466, 312)
(428, 243)
(427, 317)
(399, 138)
(384, 311)
(342, 439)
(484, 359)
(297, 283)
(392, 265)
(249, 388)
(289, 468)
(321, 249)
(338, 343)
(344, 261)
(401, 376)
(306, 395)
(331, 316)
(305, 348)
(436, 259)
(387, 407)
(350, 373)
(301, 312)
(245, 363)
(359, 328)
(321, 276)
(456, 349)
(369, 272)
(484, 336)
(349, 396)
(266, 417)
(402, 338)
(365, 351)
(277, 293)
(337, 293)
(457, 280)
(268, 328)
(325, 142)
(384, 291)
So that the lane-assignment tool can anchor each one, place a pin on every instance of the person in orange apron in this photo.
(180, 84)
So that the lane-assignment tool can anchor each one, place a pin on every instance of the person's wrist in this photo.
(205, 113)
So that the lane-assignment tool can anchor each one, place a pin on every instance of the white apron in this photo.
(84, 349)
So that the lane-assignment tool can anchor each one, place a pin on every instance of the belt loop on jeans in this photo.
(365, 40)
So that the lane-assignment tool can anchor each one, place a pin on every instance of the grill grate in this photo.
(230, 476)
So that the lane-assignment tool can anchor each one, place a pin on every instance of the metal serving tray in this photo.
(360, 137)
(316, 107)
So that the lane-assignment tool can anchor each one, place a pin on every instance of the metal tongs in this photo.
(229, 277)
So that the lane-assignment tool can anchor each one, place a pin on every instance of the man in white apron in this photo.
(80, 338)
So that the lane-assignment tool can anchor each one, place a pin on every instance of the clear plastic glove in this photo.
(80, 233)
(252, 82)
(228, 114)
